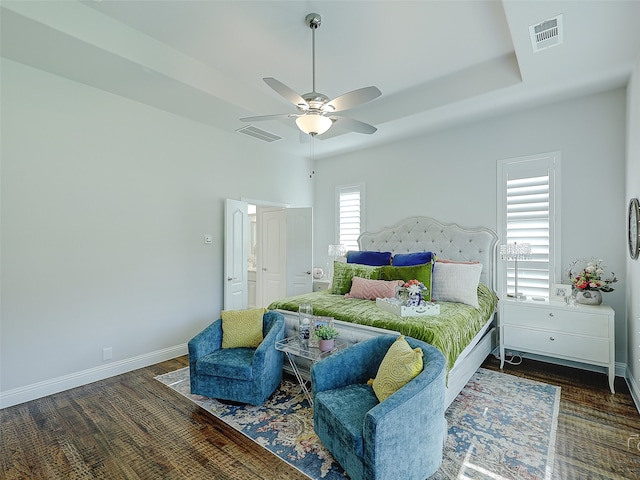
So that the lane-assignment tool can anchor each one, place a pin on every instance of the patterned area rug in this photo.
(500, 427)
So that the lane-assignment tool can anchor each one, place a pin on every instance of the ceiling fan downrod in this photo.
(313, 122)
(314, 20)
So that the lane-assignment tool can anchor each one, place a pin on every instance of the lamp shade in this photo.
(515, 251)
(313, 123)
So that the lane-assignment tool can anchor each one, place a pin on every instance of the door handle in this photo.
(264, 269)
(308, 272)
(230, 279)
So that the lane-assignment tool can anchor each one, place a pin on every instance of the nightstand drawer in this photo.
(558, 320)
(319, 285)
(571, 346)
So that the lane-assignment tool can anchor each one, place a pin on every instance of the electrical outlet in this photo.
(107, 354)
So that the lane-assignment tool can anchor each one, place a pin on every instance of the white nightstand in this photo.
(319, 285)
(581, 333)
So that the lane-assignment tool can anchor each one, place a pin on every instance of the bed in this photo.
(465, 334)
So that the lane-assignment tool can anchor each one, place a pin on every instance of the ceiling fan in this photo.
(317, 112)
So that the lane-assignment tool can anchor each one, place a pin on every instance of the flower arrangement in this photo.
(326, 332)
(591, 277)
(410, 293)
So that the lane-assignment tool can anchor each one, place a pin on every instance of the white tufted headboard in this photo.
(423, 234)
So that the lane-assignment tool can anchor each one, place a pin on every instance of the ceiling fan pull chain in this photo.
(312, 156)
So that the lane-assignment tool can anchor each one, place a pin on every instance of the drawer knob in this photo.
(551, 314)
(551, 338)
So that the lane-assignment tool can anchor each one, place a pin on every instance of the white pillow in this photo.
(456, 282)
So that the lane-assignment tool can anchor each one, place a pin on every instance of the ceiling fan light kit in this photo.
(317, 112)
(313, 123)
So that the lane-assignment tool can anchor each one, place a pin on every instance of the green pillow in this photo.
(242, 328)
(344, 272)
(422, 273)
(400, 365)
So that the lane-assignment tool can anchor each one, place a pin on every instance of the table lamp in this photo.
(513, 252)
(335, 251)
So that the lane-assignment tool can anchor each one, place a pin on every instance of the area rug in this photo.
(500, 427)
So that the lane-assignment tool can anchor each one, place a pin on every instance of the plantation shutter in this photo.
(349, 215)
(528, 212)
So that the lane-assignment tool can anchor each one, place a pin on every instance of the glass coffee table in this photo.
(292, 347)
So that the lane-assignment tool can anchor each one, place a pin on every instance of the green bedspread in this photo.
(450, 331)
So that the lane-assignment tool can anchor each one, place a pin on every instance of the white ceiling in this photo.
(437, 63)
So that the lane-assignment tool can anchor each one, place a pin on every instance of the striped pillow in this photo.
(371, 289)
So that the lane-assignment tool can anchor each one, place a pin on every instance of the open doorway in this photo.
(268, 253)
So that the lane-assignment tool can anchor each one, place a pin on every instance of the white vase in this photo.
(589, 297)
(415, 300)
(326, 345)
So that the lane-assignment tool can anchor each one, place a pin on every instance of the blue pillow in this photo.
(410, 259)
(374, 259)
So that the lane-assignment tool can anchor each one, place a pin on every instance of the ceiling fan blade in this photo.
(286, 92)
(353, 125)
(352, 99)
(260, 118)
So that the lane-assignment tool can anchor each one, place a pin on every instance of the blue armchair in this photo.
(244, 375)
(400, 437)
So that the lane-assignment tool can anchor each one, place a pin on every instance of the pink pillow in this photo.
(371, 289)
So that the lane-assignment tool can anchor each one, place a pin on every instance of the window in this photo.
(349, 215)
(528, 212)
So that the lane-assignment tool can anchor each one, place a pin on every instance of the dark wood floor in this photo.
(133, 427)
(594, 425)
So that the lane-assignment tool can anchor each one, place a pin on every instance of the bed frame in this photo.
(450, 241)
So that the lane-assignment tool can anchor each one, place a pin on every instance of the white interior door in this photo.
(271, 261)
(235, 255)
(299, 251)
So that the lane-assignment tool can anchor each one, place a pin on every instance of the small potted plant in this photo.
(326, 335)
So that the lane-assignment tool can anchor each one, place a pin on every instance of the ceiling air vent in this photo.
(259, 134)
(546, 34)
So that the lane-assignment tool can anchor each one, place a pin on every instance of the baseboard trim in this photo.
(77, 379)
(634, 388)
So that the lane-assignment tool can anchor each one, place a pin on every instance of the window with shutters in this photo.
(528, 208)
(349, 215)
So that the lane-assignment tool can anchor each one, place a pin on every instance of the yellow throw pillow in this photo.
(399, 366)
(242, 328)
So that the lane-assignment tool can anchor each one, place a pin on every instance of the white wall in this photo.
(451, 175)
(105, 203)
(632, 189)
